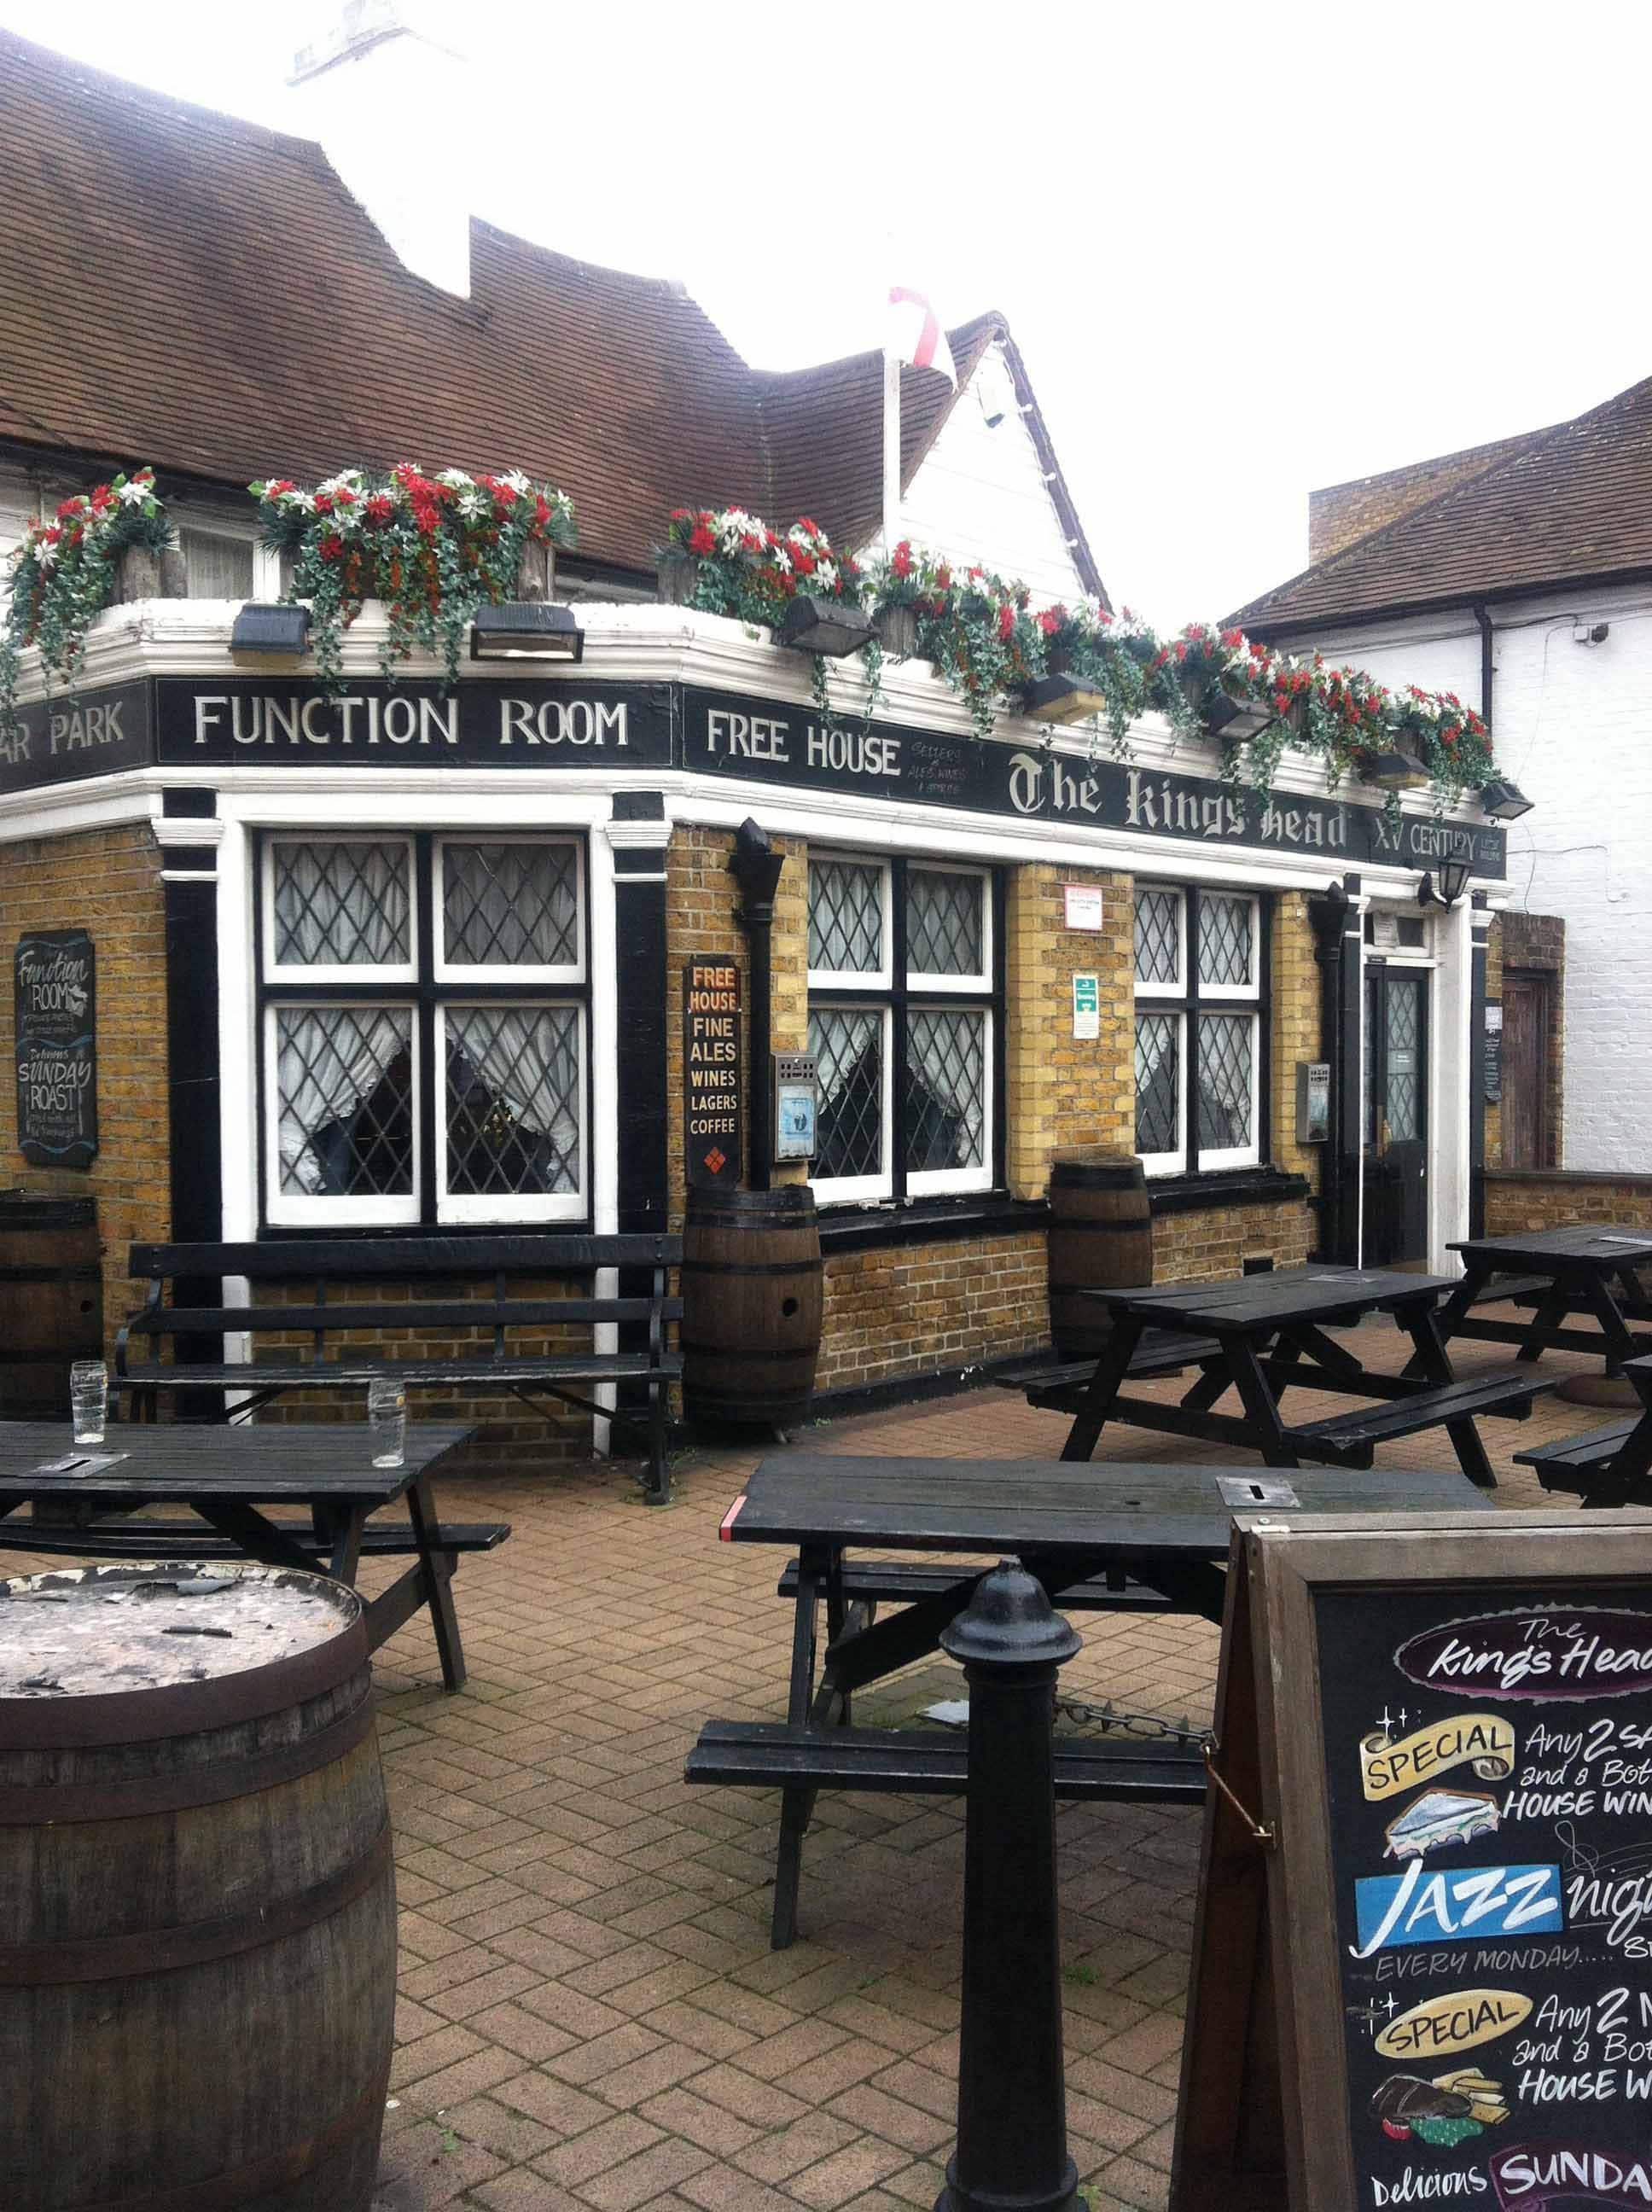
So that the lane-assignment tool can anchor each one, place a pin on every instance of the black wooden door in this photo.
(1396, 1115)
(1526, 1013)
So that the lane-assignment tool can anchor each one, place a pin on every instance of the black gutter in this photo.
(1483, 617)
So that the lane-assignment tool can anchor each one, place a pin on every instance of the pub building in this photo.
(389, 959)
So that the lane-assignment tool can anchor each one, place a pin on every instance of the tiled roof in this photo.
(1562, 505)
(186, 288)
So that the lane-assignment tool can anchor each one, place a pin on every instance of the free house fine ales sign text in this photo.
(713, 1088)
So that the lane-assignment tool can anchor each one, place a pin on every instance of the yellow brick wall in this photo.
(1519, 1199)
(108, 882)
(1062, 1091)
(913, 1309)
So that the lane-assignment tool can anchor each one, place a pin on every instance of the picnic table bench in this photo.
(1607, 1466)
(1143, 1538)
(1591, 1269)
(197, 1319)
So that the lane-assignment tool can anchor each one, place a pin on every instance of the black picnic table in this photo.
(1109, 1537)
(1589, 1268)
(224, 1475)
(1267, 1333)
(1607, 1466)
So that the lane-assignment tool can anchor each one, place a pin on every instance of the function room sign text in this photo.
(55, 1000)
(371, 723)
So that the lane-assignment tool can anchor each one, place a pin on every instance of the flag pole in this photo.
(891, 450)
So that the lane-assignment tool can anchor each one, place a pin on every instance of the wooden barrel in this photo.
(51, 1300)
(1100, 1237)
(751, 1306)
(198, 1904)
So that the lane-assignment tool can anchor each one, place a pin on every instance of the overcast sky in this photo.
(1244, 252)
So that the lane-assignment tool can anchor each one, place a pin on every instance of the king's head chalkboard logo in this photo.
(1543, 1653)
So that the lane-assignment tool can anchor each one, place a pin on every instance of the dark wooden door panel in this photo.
(1527, 1014)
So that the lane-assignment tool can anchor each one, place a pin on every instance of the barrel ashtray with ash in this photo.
(197, 1905)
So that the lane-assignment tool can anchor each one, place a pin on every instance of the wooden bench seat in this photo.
(335, 1290)
(1059, 1384)
(1349, 1439)
(1513, 1290)
(894, 1581)
(1569, 1464)
(765, 1754)
(113, 1539)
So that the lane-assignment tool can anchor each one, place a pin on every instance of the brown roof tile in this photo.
(1562, 505)
(190, 289)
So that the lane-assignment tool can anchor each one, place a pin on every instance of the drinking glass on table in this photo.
(387, 1421)
(88, 1400)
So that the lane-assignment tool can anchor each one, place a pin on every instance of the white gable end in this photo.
(980, 494)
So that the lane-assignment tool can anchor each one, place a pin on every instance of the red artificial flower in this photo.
(68, 507)
(679, 514)
(943, 579)
(542, 509)
(324, 502)
(102, 497)
(813, 528)
(1005, 623)
(380, 507)
(1182, 648)
(1049, 621)
(1233, 639)
(344, 495)
(803, 562)
(331, 546)
(901, 559)
(700, 539)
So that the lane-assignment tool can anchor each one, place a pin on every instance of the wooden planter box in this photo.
(676, 573)
(898, 630)
(141, 575)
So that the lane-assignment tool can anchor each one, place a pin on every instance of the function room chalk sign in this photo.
(1422, 1957)
(55, 1003)
(713, 1147)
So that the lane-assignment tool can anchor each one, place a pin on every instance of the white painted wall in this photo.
(1573, 727)
(980, 494)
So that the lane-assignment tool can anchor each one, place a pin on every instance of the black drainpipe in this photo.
(756, 867)
(1484, 619)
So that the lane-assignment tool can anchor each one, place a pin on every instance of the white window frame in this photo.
(934, 1182)
(478, 1205)
(849, 1190)
(333, 971)
(485, 972)
(919, 991)
(288, 1210)
(266, 560)
(856, 979)
(1188, 999)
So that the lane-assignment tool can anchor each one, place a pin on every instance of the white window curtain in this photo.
(513, 1100)
(338, 904)
(332, 1064)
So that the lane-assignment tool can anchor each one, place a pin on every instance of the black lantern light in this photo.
(1503, 800)
(1454, 882)
(1064, 698)
(830, 627)
(270, 627)
(526, 629)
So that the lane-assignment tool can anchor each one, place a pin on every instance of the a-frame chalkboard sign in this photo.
(1423, 1953)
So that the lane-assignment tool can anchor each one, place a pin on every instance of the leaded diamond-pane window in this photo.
(1226, 1071)
(338, 904)
(510, 906)
(458, 1094)
(514, 1098)
(846, 918)
(1226, 927)
(1158, 937)
(1158, 1083)
(944, 923)
(946, 1088)
(343, 1101)
(848, 1044)
(1200, 1038)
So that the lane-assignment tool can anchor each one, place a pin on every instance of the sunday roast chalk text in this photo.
(401, 720)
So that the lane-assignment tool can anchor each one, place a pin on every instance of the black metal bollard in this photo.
(1012, 2113)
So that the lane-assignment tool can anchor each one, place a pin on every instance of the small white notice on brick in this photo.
(1086, 1006)
(1083, 904)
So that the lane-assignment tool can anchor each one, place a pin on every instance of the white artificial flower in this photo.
(304, 501)
(826, 575)
(457, 478)
(346, 480)
(782, 561)
(47, 554)
(518, 482)
(470, 503)
(135, 490)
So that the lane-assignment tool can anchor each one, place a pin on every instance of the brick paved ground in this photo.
(590, 2013)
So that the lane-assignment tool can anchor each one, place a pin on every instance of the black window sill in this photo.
(1202, 1193)
(927, 1221)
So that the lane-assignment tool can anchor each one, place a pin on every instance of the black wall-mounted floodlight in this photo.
(1503, 800)
(1064, 698)
(526, 629)
(1395, 771)
(830, 627)
(265, 627)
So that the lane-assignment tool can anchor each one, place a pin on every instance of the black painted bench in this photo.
(895, 1581)
(1059, 1385)
(1349, 1439)
(108, 1538)
(770, 1754)
(196, 1322)
(1582, 1466)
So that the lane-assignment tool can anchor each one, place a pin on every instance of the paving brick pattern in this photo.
(590, 2016)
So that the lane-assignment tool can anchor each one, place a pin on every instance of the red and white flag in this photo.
(916, 334)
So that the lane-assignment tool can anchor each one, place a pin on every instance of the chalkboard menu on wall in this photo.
(1443, 1740)
(55, 1000)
